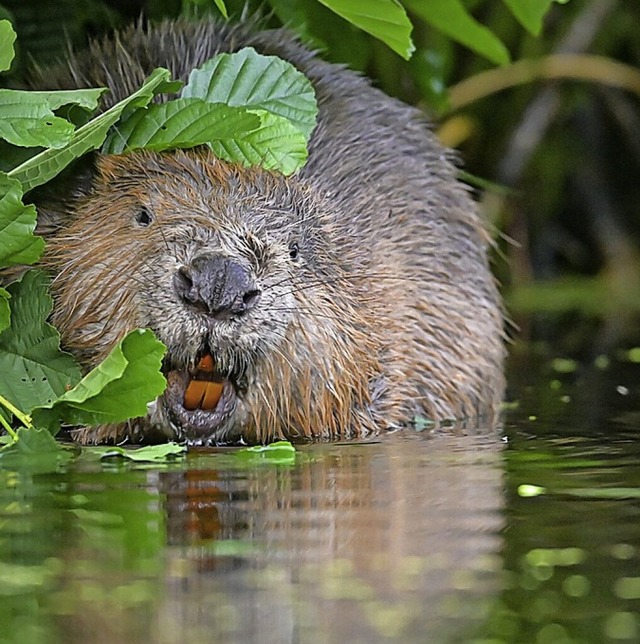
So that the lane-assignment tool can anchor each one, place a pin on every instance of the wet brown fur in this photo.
(391, 312)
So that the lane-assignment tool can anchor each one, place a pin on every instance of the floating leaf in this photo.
(249, 79)
(18, 244)
(117, 389)
(452, 18)
(33, 370)
(383, 19)
(167, 452)
(280, 452)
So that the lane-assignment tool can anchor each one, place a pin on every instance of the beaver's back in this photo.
(421, 248)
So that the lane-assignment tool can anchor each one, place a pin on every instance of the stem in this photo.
(21, 416)
(585, 67)
(9, 429)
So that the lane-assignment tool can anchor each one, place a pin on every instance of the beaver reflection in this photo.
(351, 542)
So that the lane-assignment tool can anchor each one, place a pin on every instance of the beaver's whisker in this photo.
(320, 281)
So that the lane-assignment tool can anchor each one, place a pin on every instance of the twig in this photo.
(588, 67)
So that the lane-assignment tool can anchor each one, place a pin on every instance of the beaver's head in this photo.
(263, 306)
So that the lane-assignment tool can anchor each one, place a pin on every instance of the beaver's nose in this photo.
(220, 286)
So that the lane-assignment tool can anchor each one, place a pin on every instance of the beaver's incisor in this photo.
(350, 297)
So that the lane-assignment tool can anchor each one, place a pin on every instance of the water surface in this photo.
(524, 532)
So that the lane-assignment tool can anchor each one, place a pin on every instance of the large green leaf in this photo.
(18, 244)
(117, 389)
(453, 19)
(249, 79)
(46, 165)
(276, 145)
(31, 125)
(235, 134)
(7, 38)
(183, 123)
(89, 99)
(530, 13)
(384, 19)
(33, 370)
(27, 118)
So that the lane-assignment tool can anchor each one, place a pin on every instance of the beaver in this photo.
(346, 299)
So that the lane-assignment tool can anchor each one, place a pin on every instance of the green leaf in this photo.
(222, 8)
(249, 79)
(280, 452)
(234, 134)
(530, 13)
(32, 128)
(453, 19)
(164, 453)
(46, 165)
(183, 123)
(276, 145)
(88, 99)
(383, 19)
(33, 370)
(7, 38)
(34, 450)
(5, 310)
(117, 389)
(27, 118)
(18, 244)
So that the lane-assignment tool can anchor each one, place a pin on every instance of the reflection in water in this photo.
(358, 543)
(355, 543)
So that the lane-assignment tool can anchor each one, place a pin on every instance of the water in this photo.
(529, 532)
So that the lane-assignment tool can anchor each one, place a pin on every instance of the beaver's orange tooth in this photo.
(206, 363)
(212, 395)
(194, 394)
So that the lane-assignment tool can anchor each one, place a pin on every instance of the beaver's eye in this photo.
(143, 217)
(293, 251)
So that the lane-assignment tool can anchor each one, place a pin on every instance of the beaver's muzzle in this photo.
(200, 401)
